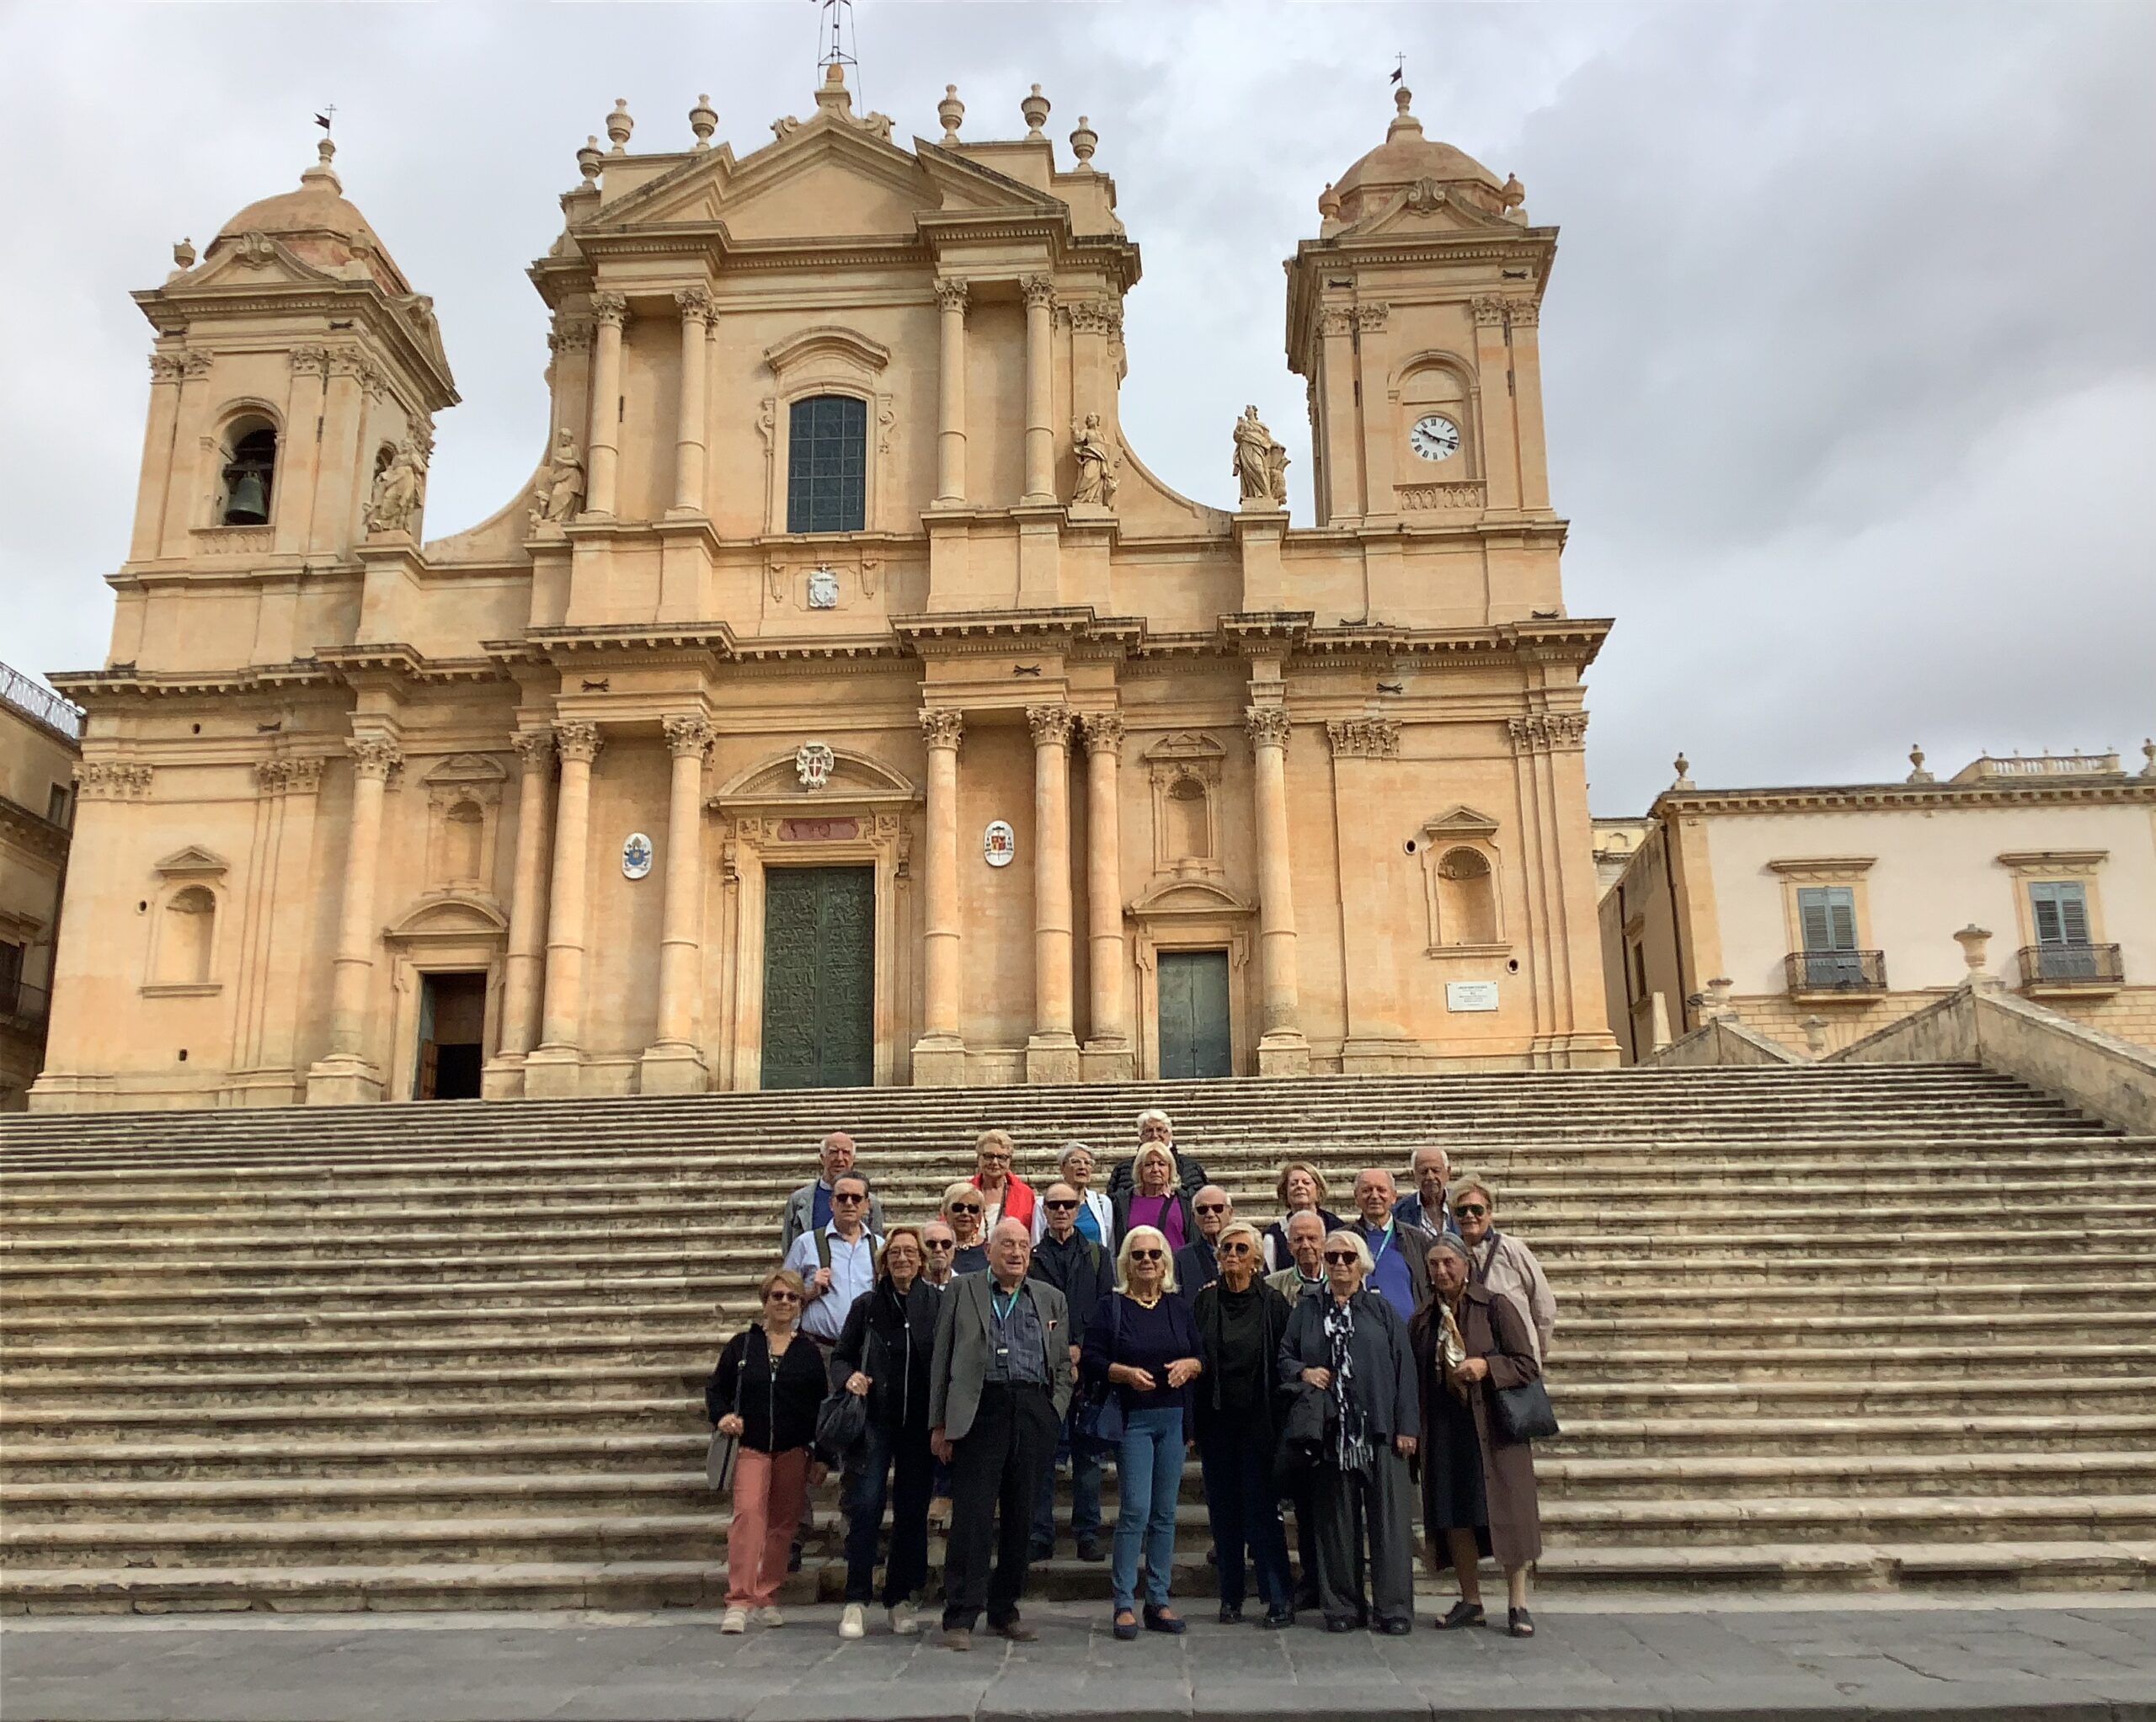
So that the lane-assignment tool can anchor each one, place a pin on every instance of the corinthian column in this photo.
(1107, 1056)
(939, 1056)
(1282, 1050)
(346, 1075)
(689, 428)
(1052, 1053)
(1040, 433)
(527, 906)
(609, 311)
(553, 1068)
(674, 1065)
(950, 405)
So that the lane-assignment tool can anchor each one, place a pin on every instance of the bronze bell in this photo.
(249, 503)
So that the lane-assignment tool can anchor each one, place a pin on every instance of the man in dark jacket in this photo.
(1196, 1265)
(1081, 1271)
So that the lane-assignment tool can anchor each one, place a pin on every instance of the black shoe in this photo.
(1339, 1622)
(794, 1558)
(1521, 1624)
(1461, 1614)
(1160, 1620)
(1232, 1614)
(1092, 1549)
(1041, 1551)
(1127, 1629)
(1400, 1628)
(1277, 1619)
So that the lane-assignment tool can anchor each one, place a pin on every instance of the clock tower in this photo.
(1413, 316)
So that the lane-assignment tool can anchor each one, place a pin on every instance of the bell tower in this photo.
(1413, 316)
(293, 388)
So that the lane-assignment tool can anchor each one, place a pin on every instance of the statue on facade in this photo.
(1095, 458)
(1276, 473)
(1260, 463)
(562, 496)
(398, 490)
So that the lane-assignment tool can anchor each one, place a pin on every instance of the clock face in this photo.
(1434, 437)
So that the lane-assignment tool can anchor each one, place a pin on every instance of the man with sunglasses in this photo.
(837, 1264)
(1197, 1264)
(940, 1244)
(1080, 1269)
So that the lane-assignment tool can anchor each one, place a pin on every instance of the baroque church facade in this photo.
(843, 700)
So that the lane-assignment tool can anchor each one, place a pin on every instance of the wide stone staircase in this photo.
(1861, 1327)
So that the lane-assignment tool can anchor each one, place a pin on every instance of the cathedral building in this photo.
(842, 701)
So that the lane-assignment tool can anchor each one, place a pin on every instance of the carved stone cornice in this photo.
(166, 367)
(309, 360)
(1039, 289)
(288, 775)
(610, 309)
(694, 304)
(1104, 732)
(1335, 320)
(686, 735)
(1094, 317)
(571, 335)
(1051, 725)
(111, 779)
(577, 740)
(2060, 791)
(950, 295)
(1548, 732)
(375, 756)
(942, 727)
(534, 749)
(1268, 726)
(1364, 738)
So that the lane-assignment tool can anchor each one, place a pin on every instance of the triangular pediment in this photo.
(193, 861)
(1461, 821)
(467, 768)
(1429, 207)
(255, 261)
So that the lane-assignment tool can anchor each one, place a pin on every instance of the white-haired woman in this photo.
(1156, 1199)
(1350, 1346)
(1153, 1126)
(1096, 1217)
(1142, 1346)
(963, 1205)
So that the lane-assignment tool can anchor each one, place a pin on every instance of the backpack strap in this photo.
(823, 1247)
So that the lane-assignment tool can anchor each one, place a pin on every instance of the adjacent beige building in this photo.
(38, 752)
(842, 699)
(1824, 913)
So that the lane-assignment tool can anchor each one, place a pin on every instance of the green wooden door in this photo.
(1194, 1014)
(820, 976)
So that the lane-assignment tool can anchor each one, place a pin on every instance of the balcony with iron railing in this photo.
(2071, 968)
(34, 701)
(1835, 974)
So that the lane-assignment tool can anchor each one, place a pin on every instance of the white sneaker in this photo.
(853, 1621)
(902, 1619)
(737, 1620)
(770, 1617)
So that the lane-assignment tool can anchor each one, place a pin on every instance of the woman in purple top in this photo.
(1142, 1346)
(1156, 1199)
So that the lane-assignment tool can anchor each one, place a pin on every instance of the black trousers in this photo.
(995, 1473)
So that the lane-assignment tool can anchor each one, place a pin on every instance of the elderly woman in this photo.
(766, 1390)
(1348, 1344)
(1299, 1189)
(1142, 1346)
(1008, 1196)
(1240, 1322)
(1478, 1493)
(1096, 1215)
(1154, 1200)
(884, 1354)
(1153, 1126)
(963, 1207)
(1503, 1263)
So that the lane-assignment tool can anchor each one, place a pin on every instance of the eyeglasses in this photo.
(966, 1208)
(1237, 1248)
(941, 1244)
(1342, 1258)
(995, 1159)
(1470, 1210)
(1055, 1207)
(782, 1296)
(1147, 1255)
(847, 1196)
(1210, 1207)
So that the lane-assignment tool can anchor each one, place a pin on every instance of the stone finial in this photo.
(1403, 118)
(1512, 194)
(1916, 773)
(1815, 1035)
(1083, 142)
(2148, 753)
(1715, 1001)
(182, 254)
(703, 121)
(952, 112)
(1975, 946)
(322, 172)
(1035, 108)
(1328, 202)
(619, 125)
(1683, 774)
(591, 160)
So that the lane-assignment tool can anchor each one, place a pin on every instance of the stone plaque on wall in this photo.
(1470, 995)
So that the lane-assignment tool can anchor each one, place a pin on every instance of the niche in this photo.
(1461, 882)
(1186, 777)
(464, 797)
(182, 955)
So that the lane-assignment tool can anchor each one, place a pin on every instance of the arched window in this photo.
(827, 464)
(188, 941)
(250, 475)
(1467, 906)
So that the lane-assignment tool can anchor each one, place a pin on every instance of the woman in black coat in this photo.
(884, 1354)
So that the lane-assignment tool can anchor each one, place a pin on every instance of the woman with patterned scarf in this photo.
(1351, 1347)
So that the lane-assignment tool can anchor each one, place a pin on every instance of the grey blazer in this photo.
(962, 1338)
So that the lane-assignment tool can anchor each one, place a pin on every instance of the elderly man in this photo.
(1196, 1265)
(1306, 1243)
(1399, 1274)
(998, 1391)
(809, 1209)
(837, 1263)
(939, 1244)
(1431, 1167)
(1153, 1126)
(1084, 1273)
(1005, 1195)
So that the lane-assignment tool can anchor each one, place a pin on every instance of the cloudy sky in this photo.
(1851, 351)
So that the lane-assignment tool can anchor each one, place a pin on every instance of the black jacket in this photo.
(1196, 1268)
(778, 1412)
(1081, 1270)
(1205, 1310)
(1190, 1175)
(892, 1342)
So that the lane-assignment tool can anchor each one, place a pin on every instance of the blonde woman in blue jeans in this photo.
(1143, 1346)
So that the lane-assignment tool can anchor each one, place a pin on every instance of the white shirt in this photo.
(853, 1271)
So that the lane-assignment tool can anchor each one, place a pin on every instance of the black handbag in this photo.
(1522, 1413)
(1100, 1420)
(841, 1426)
(724, 1449)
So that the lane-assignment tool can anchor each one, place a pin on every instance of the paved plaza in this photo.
(2028, 1660)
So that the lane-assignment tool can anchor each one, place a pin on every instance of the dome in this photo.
(318, 224)
(1406, 158)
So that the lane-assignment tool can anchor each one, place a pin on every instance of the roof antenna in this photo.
(834, 35)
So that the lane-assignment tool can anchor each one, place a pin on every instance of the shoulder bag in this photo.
(1100, 1424)
(724, 1449)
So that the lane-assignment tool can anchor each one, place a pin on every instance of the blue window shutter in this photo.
(1828, 914)
(2061, 909)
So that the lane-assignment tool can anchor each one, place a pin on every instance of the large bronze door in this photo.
(1194, 1014)
(820, 976)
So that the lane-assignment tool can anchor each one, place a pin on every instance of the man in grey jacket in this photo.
(998, 1390)
(809, 1209)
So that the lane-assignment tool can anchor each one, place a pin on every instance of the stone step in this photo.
(1902, 1474)
(2059, 1396)
(1852, 1437)
(109, 1422)
(275, 1464)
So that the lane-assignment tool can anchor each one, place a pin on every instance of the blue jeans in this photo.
(1149, 1475)
(867, 1486)
(1086, 1464)
(1245, 1510)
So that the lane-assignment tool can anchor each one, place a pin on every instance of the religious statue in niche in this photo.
(398, 490)
(813, 763)
(561, 497)
(1260, 466)
(1096, 463)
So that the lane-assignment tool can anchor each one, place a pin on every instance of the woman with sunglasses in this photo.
(1501, 1262)
(766, 1391)
(1142, 1345)
(1240, 1322)
(962, 1208)
(1348, 1344)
